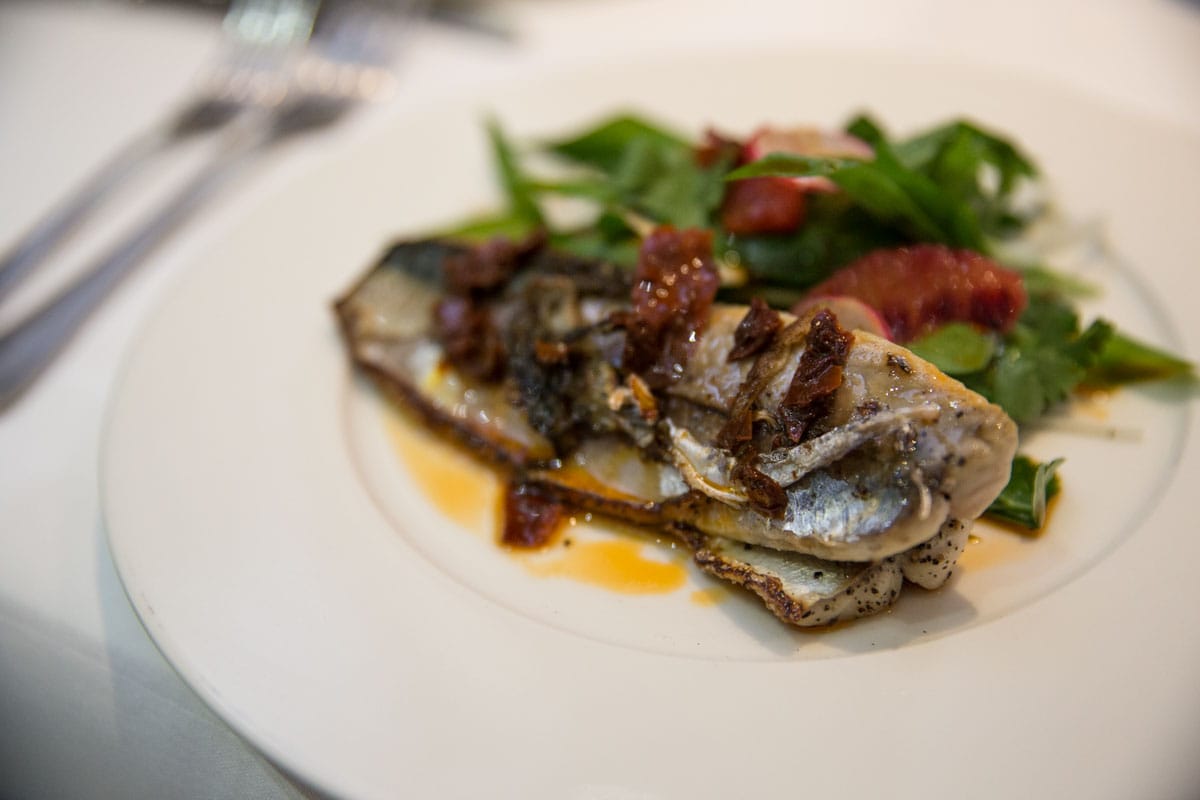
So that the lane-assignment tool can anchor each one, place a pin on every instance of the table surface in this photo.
(88, 707)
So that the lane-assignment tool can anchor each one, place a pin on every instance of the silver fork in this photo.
(260, 36)
(348, 60)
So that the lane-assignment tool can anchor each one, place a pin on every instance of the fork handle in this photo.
(53, 229)
(32, 344)
(50, 231)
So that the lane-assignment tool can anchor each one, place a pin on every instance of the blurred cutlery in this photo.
(260, 37)
(348, 60)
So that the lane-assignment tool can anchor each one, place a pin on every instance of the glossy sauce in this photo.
(993, 545)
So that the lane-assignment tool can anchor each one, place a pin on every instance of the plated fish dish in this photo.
(801, 354)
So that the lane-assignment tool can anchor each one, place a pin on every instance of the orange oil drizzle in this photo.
(459, 486)
(711, 596)
(623, 564)
(605, 554)
(992, 546)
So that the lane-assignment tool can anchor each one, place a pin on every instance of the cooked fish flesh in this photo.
(817, 467)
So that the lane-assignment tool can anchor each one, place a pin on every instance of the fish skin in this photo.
(930, 563)
(870, 514)
(801, 590)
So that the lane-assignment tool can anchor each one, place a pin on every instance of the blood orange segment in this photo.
(919, 288)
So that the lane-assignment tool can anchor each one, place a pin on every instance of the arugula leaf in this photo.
(790, 166)
(892, 195)
(517, 186)
(597, 189)
(642, 167)
(887, 190)
(977, 167)
(1126, 360)
(1030, 486)
(1040, 280)
(665, 183)
(956, 348)
(604, 146)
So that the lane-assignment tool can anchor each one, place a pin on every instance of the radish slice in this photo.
(851, 313)
(813, 142)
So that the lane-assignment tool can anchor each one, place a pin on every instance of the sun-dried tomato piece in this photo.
(716, 148)
(764, 492)
(673, 290)
(488, 266)
(755, 331)
(762, 205)
(469, 337)
(818, 375)
(531, 516)
(919, 288)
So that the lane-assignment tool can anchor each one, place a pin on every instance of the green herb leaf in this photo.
(1126, 360)
(887, 189)
(480, 229)
(835, 232)
(956, 348)
(977, 167)
(597, 189)
(1039, 280)
(1041, 361)
(605, 146)
(785, 165)
(1030, 486)
(609, 238)
(517, 187)
(664, 183)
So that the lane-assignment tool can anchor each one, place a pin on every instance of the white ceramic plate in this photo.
(371, 638)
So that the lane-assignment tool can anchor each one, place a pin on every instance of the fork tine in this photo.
(278, 23)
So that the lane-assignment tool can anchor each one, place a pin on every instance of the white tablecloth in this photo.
(88, 707)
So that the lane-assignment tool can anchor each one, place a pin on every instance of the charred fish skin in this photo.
(801, 590)
(874, 495)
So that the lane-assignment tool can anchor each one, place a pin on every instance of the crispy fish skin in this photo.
(801, 590)
(905, 458)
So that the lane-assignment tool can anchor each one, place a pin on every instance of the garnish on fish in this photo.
(818, 467)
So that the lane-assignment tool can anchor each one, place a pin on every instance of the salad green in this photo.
(956, 184)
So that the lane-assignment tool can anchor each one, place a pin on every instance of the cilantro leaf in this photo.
(956, 348)
(1042, 360)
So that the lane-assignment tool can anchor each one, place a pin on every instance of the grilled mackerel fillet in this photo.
(882, 486)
